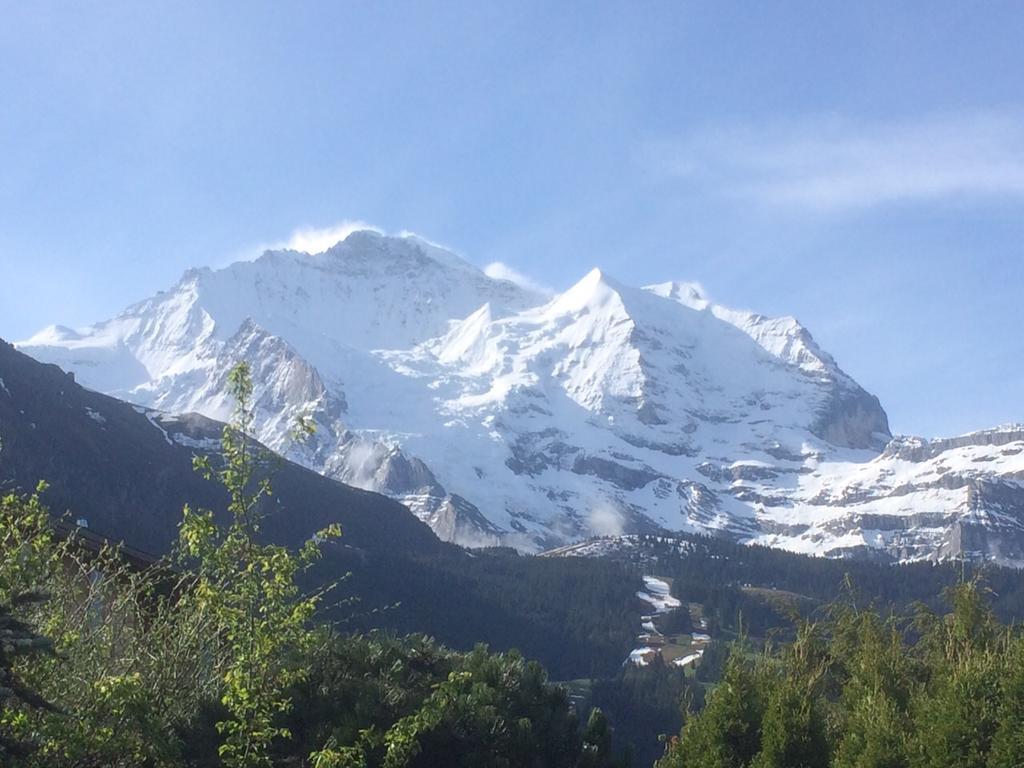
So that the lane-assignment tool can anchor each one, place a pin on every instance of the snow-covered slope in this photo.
(497, 414)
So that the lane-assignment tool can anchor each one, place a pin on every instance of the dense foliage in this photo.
(129, 662)
(413, 703)
(578, 617)
(858, 689)
(642, 703)
(24, 540)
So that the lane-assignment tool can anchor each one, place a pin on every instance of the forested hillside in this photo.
(755, 596)
(761, 588)
(863, 688)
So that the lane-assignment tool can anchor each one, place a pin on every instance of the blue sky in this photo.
(857, 165)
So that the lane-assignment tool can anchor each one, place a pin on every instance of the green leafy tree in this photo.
(26, 559)
(27, 545)
(250, 589)
(133, 663)
(18, 639)
(120, 666)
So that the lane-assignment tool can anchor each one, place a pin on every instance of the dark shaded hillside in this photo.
(762, 587)
(578, 617)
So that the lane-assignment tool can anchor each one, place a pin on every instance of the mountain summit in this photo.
(499, 415)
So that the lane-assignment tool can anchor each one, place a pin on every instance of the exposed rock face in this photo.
(497, 414)
(918, 449)
(627, 478)
(853, 419)
(456, 519)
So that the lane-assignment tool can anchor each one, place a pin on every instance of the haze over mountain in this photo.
(499, 414)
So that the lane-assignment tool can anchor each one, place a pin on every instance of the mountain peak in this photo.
(391, 251)
(596, 289)
(361, 236)
(600, 277)
(676, 412)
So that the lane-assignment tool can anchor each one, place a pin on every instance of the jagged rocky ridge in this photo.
(500, 415)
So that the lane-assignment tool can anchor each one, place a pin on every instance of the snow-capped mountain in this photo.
(501, 415)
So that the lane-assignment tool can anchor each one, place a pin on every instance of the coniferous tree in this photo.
(727, 733)
(1008, 741)
(597, 741)
(877, 679)
(792, 732)
(956, 715)
(856, 691)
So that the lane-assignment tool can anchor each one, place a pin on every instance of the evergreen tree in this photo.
(874, 735)
(956, 716)
(597, 741)
(1008, 741)
(727, 733)
(853, 692)
(792, 732)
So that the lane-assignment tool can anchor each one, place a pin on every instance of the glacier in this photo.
(501, 415)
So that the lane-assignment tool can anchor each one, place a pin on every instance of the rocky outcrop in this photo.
(852, 418)
(627, 478)
(918, 449)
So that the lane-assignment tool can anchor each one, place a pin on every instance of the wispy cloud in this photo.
(833, 164)
(306, 239)
(499, 270)
(605, 519)
(318, 240)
